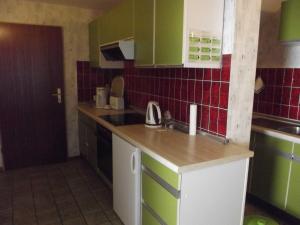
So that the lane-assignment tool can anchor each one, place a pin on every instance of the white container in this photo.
(101, 97)
(193, 120)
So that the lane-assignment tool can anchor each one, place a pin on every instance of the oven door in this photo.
(104, 151)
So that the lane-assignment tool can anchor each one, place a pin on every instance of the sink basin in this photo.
(287, 127)
(290, 129)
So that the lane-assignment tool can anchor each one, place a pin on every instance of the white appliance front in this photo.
(126, 181)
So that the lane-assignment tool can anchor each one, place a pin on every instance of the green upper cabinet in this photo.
(293, 200)
(169, 32)
(186, 33)
(144, 32)
(94, 42)
(271, 169)
(117, 24)
(290, 21)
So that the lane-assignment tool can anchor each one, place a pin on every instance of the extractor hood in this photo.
(118, 51)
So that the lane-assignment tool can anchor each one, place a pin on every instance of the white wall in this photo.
(271, 52)
(75, 31)
(228, 32)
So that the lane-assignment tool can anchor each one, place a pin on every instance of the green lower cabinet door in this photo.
(161, 201)
(148, 218)
(271, 169)
(293, 202)
(162, 171)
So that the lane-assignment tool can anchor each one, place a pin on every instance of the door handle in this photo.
(58, 95)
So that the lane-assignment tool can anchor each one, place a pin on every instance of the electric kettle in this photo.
(153, 115)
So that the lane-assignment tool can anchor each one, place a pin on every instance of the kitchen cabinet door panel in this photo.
(117, 24)
(293, 201)
(162, 202)
(148, 218)
(169, 32)
(94, 42)
(271, 169)
(144, 32)
(82, 139)
(162, 171)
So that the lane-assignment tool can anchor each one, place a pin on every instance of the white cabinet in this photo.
(126, 181)
(203, 33)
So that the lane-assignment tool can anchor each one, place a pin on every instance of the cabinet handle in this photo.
(154, 214)
(132, 163)
(161, 182)
(296, 159)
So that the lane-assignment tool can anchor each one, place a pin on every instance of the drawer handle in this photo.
(162, 183)
(154, 214)
(296, 159)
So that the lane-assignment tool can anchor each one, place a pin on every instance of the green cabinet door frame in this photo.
(169, 32)
(289, 24)
(94, 42)
(144, 32)
(271, 169)
(117, 24)
(293, 200)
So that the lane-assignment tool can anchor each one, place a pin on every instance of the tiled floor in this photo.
(68, 193)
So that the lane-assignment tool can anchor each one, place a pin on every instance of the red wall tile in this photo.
(177, 88)
(281, 94)
(174, 88)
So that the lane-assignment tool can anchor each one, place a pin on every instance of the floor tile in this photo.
(5, 218)
(75, 221)
(95, 218)
(89, 205)
(117, 222)
(69, 211)
(111, 215)
(68, 193)
(48, 217)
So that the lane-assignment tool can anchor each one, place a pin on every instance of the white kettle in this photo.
(153, 115)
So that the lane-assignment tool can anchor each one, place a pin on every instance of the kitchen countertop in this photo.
(178, 151)
(273, 132)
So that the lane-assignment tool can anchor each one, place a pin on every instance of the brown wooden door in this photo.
(32, 122)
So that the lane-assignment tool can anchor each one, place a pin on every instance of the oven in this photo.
(104, 152)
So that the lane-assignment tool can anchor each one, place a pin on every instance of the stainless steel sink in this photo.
(283, 126)
(290, 129)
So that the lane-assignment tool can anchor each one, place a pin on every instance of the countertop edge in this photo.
(275, 133)
(161, 159)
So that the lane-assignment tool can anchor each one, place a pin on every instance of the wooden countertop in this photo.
(178, 151)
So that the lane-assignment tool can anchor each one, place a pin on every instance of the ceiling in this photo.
(88, 4)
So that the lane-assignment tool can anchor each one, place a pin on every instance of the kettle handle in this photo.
(159, 113)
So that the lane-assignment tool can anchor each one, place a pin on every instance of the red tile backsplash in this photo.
(89, 78)
(281, 94)
(176, 88)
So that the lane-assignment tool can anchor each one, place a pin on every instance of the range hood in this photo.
(118, 51)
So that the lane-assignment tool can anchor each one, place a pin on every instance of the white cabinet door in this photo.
(126, 181)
